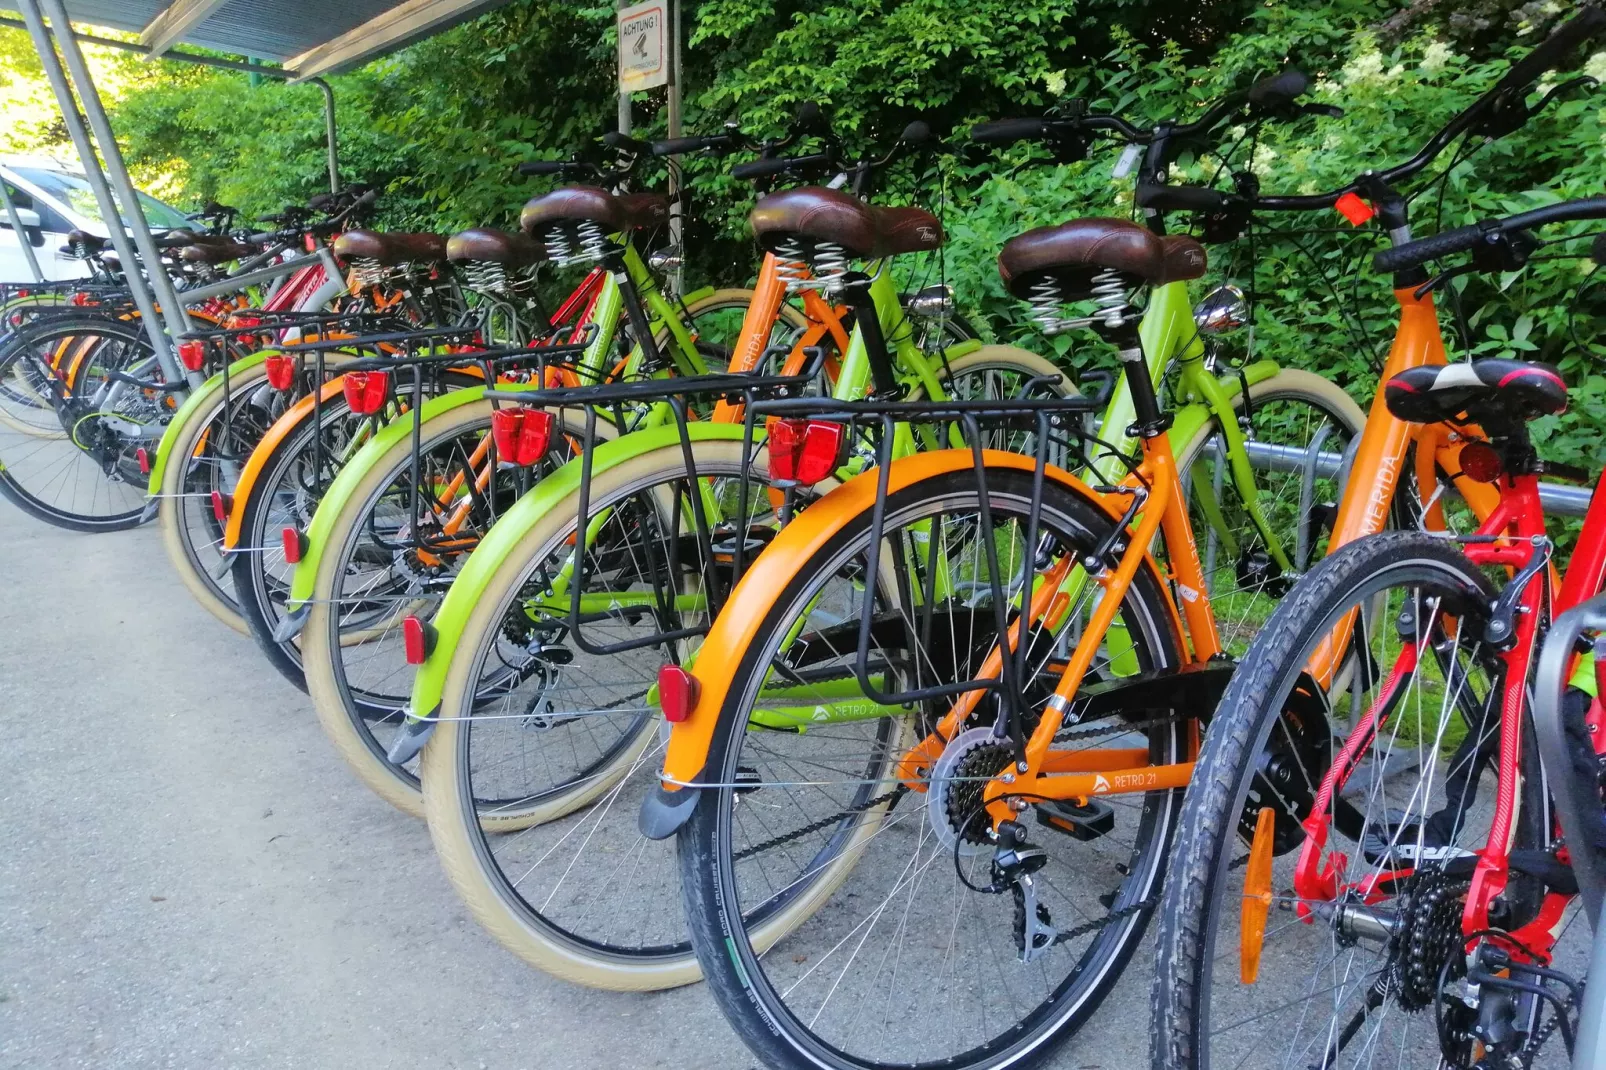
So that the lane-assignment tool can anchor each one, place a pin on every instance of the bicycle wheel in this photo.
(370, 577)
(1299, 430)
(206, 455)
(546, 746)
(910, 957)
(1368, 897)
(88, 477)
(361, 684)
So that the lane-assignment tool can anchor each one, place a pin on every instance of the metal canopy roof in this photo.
(310, 37)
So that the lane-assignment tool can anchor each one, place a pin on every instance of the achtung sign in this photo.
(643, 55)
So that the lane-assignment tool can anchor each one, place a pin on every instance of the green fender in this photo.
(554, 491)
(197, 398)
(304, 580)
(1191, 417)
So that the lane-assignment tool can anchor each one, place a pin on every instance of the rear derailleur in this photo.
(1014, 862)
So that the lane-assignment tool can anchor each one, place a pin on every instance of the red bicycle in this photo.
(1406, 897)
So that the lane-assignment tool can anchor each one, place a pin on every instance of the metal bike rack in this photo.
(1572, 798)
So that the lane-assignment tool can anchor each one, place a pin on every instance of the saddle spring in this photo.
(821, 267)
(1108, 292)
(486, 276)
(583, 243)
(367, 271)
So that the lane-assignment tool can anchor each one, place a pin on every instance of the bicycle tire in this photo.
(736, 963)
(1208, 835)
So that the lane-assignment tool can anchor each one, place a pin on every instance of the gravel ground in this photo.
(190, 878)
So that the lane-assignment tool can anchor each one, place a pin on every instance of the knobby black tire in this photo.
(1207, 839)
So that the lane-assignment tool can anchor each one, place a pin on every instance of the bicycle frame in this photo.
(1512, 536)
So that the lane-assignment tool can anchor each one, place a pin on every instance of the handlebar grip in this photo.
(1556, 49)
(1179, 198)
(1279, 89)
(679, 146)
(1464, 238)
(621, 141)
(1416, 253)
(1009, 131)
(542, 167)
(369, 197)
(762, 168)
(318, 203)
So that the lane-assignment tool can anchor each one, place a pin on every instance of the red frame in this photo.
(1514, 525)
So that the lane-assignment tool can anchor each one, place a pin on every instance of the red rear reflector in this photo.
(418, 640)
(295, 546)
(678, 691)
(803, 452)
(222, 505)
(1352, 208)
(24, 293)
(1480, 462)
(247, 321)
(281, 370)
(79, 300)
(366, 392)
(192, 352)
(522, 435)
(144, 461)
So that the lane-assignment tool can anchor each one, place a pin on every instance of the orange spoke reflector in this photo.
(1257, 897)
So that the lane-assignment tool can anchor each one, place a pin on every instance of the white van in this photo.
(53, 200)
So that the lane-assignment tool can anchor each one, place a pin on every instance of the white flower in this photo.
(1055, 81)
(1366, 66)
(1596, 67)
(1436, 57)
(1263, 158)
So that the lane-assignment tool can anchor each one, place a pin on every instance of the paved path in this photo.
(190, 878)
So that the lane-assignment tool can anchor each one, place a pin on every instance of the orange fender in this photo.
(773, 569)
(282, 428)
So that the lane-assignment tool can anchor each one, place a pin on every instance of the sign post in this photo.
(649, 56)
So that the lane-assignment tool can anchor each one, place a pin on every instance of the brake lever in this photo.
(1582, 81)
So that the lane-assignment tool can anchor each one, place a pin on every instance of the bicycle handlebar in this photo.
(1465, 239)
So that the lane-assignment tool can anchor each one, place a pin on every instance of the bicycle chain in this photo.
(823, 823)
(826, 822)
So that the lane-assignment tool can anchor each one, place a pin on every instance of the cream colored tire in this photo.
(456, 830)
(323, 676)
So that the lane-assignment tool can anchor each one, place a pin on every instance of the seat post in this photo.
(640, 324)
(856, 295)
(1123, 334)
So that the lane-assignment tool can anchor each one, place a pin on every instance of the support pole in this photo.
(133, 216)
(330, 132)
(677, 223)
(22, 234)
(143, 299)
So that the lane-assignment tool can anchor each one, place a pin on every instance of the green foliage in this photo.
(441, 125)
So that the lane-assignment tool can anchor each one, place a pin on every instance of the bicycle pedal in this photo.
(1088, 822)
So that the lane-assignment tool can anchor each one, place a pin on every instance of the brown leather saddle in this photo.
(1072, 254)
(217, 252)
(614, 212)
(864, 231)
(390, 249)
(487, 245)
